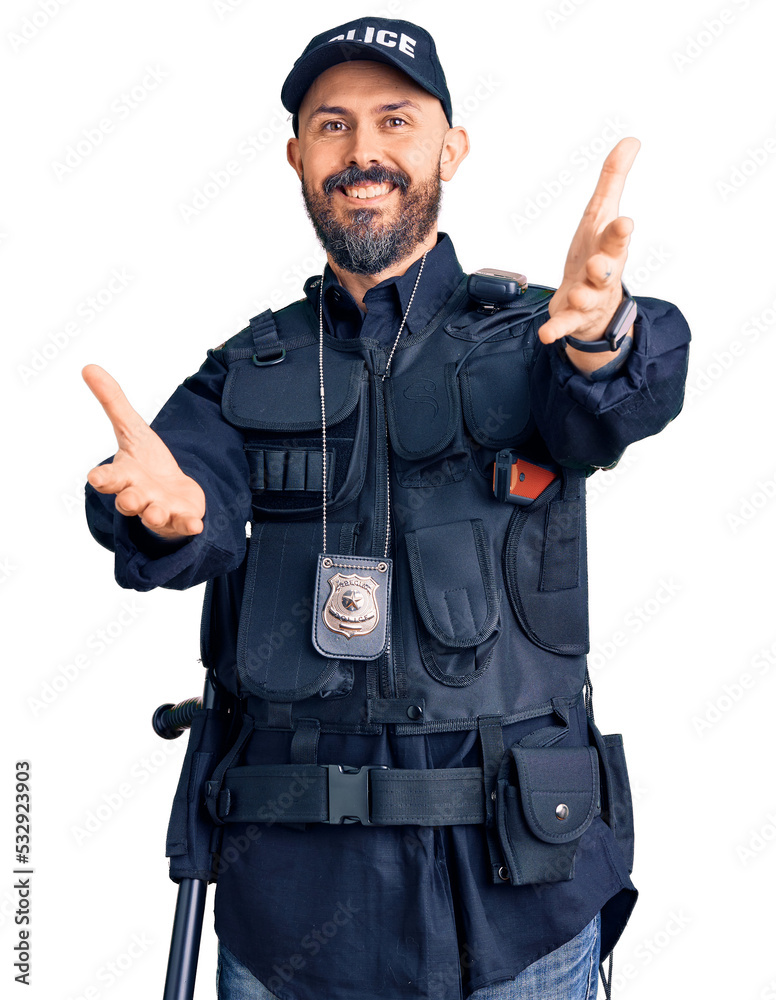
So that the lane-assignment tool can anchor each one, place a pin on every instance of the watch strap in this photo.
(615, 332)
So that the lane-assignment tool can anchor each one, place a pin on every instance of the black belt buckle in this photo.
(349, 792)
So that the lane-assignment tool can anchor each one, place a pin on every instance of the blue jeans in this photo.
(568, 973)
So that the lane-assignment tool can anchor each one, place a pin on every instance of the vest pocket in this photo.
(276, 658)
(546, 797)
(456, 600)
(423, 409)
(495, 391)
(279, 409)
(545, 567)
(617, 806)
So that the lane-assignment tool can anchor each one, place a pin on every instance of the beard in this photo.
(366, 243)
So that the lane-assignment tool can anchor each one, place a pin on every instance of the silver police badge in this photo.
(351, 608)
(352, 612)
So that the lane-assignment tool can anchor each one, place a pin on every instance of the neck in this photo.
(359, 284)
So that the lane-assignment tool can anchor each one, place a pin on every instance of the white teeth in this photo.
(372, 191)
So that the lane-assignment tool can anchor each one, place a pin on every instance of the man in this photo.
(401, 609)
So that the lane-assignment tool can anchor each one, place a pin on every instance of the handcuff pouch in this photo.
(546, 798)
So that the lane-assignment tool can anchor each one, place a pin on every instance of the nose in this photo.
(364, 149)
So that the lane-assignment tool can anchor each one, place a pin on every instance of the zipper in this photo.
(381, 512)
(382, 515)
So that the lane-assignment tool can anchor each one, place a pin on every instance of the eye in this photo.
(400, 121)
(333, 126)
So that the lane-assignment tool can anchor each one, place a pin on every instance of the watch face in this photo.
(623, 320)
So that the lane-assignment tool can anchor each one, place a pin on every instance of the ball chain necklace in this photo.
(357, 603)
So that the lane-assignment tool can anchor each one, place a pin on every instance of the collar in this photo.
(387, 301)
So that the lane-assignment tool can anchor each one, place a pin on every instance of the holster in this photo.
(192, 838)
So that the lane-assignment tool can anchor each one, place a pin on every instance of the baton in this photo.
(169, 722)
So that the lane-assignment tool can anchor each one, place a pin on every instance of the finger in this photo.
(567, 322)
(611, 181)
(616, 237)
(602, 272)
(132, 501)
(108, 478)
(187, 525)
(125, 419)
(582, 298)
(155, 516)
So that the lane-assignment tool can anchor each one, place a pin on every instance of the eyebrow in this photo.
(333, 109)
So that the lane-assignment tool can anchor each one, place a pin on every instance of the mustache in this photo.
(378, 174)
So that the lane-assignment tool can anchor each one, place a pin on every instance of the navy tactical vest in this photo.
(488, 619)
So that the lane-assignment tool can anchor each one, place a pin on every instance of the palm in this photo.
(590, 291)
(144, 476)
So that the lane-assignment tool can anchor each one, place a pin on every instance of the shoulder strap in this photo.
(266, 342)
(261, 336)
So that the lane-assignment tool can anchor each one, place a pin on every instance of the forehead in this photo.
(357, 83)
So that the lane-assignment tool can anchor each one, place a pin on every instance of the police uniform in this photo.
(445, 885)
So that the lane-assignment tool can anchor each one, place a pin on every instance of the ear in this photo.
(455, 148)
(294, 156)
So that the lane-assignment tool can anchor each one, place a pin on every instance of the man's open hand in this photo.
(144, 475)
(590, 291)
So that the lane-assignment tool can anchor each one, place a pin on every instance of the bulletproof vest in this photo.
(488, 613)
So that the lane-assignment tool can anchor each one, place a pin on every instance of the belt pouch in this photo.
(546, 798)
(617, 805)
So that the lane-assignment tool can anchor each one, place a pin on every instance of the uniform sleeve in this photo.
(209, 450)
(588, 424)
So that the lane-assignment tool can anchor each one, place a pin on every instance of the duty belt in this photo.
(374, 795)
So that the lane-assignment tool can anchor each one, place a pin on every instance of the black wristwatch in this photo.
(615, 332)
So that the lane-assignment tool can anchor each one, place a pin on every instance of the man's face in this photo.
(371, 154)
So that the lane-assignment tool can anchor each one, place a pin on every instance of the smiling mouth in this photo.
(366, 192)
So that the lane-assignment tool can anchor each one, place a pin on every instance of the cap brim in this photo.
(301, 77)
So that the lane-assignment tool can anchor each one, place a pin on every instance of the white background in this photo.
(681, 535)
